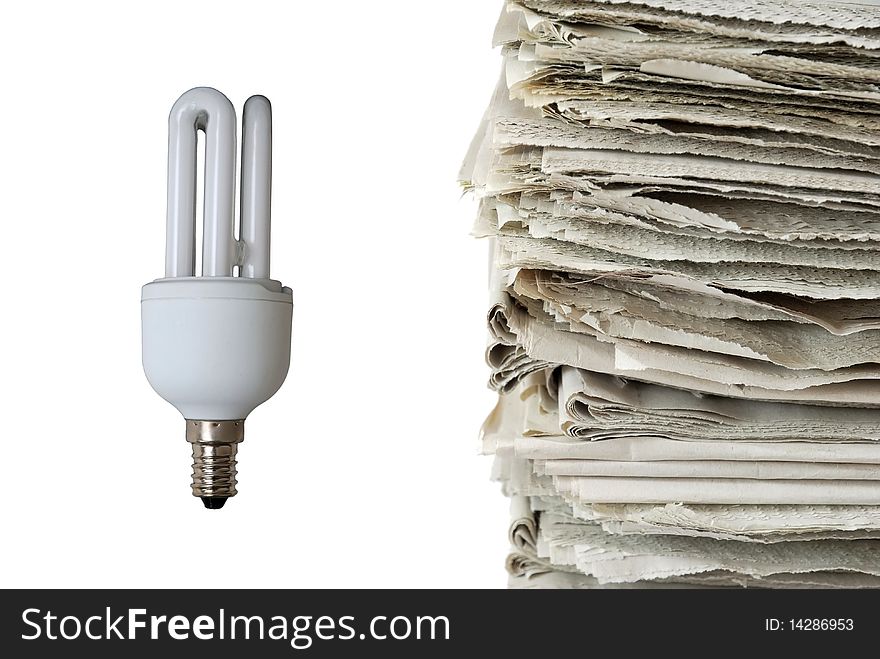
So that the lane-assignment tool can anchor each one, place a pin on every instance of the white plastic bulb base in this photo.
(215, 348)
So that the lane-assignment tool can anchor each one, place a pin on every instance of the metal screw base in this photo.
(214, 446)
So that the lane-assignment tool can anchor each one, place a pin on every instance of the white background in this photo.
(363, 469)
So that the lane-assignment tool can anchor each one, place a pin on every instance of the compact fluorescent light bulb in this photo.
(217, 345)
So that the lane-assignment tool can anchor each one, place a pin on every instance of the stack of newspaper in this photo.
(683, 201)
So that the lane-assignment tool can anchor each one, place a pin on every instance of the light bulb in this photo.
(216, 346)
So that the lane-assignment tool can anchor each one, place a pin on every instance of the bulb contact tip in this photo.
(214, 503)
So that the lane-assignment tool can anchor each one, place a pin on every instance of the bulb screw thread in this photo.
(214, 447)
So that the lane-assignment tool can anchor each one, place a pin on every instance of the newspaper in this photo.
(598, 406)
(559, 547)
(625, 558)
(682, 199)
